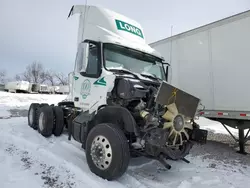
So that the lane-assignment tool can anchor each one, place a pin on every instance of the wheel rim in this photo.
(31, 115)
(41, 121)
(101, 152)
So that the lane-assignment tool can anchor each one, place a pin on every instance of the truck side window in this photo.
(79, 58)
(93, 60)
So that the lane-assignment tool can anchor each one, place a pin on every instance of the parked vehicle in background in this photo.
(43, 88)
(17, 86)
(62, 89)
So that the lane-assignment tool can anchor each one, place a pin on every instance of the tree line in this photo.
(36, 73)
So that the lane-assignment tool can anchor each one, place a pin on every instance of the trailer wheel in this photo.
(58, 121)
(33, 115)
(46, 121)
(107, 151)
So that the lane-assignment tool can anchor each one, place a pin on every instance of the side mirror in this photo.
(166, 69)
(166, 72)
(169, 73)
(85, 47)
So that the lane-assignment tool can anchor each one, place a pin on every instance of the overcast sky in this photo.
(39, 30)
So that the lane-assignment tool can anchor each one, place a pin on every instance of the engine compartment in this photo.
(162, 128)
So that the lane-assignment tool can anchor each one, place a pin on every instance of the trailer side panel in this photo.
(231, 65)
(212, 64)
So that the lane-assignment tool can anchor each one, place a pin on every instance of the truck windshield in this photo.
(119, 57)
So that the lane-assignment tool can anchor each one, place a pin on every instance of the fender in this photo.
(81, 125)
(117, 115)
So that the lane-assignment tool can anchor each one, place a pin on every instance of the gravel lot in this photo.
(222, 147)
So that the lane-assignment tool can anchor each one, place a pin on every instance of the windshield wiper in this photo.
(123, 70)
(148, 75)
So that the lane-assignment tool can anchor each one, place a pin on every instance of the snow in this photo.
(214, 126)
(22, 100)
(27, 159)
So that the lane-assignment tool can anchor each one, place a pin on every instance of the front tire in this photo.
(107, 151)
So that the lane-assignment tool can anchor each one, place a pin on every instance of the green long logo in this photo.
(129, 28)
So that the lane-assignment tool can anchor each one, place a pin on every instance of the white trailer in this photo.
(212, 62)
(43, 88)
(17, 86)
(62, 89)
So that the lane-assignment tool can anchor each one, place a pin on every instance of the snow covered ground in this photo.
(29, 160)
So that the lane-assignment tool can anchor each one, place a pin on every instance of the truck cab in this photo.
(110, 45)
(98, 64)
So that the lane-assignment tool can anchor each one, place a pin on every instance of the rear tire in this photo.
(107, 151)
(59, 120)
(44, 104)
(33, 115)
(46, 121)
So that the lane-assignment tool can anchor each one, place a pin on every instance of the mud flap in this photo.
(199, 136)
(80, 126)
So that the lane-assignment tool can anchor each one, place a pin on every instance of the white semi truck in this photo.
(120, 105)
(212, 62)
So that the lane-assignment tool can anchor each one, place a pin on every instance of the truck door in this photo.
(86, 76)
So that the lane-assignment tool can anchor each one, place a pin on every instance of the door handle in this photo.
(76, 99)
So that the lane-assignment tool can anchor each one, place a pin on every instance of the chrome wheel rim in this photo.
(101, 152)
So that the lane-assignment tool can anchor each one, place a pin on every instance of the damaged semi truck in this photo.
(120, 105)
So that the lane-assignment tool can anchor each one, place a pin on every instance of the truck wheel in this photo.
(107, 151)
(33, 115)
(46, 121)
(58, 121)
(44, 104)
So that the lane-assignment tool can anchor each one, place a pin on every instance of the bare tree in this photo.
(2, 76)
(51, 78)
(34, 73)
(18, 77)
(62, 79)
